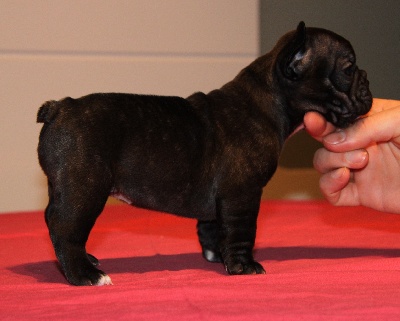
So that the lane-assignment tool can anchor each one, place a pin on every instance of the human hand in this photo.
(360, 165)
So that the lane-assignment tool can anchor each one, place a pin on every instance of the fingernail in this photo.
(356, 156)
(335, 138)
(338, 173)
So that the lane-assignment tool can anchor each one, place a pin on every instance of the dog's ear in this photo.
(294, 60)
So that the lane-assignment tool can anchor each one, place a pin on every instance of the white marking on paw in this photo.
(104, 280)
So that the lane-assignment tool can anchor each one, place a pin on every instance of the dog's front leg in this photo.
(237, 217)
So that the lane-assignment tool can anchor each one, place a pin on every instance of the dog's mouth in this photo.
(341, 120)
(344, 117)
(345, 111)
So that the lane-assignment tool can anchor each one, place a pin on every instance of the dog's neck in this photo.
(258, 90)
(266, 95)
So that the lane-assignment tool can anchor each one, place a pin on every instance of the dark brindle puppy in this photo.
(207, 156)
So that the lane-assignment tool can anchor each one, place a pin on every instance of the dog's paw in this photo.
(93, 260)
(212, 256)
(104, 280)
(97, 280)
(239, 268)
(88, 276)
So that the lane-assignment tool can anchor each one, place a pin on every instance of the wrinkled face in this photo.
(347, 87)
(323, 76)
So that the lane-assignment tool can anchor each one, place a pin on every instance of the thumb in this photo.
(376, 128)
(317, 126)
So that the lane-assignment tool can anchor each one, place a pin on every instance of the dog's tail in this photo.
(48, 111)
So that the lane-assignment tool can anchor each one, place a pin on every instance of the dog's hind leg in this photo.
(209, 237)
(72, 211)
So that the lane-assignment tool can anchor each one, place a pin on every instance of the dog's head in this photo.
(317, 71)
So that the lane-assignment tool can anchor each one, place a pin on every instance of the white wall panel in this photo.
(199, 45)
(149, 26)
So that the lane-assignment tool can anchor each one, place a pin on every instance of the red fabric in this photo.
(322, 262)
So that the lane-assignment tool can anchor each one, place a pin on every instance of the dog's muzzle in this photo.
(358, 102)
(361, 94)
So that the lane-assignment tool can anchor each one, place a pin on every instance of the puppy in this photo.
(207, 156)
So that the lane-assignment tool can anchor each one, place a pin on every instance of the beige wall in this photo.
(51, 49)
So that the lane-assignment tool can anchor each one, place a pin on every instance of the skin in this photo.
(360, 165)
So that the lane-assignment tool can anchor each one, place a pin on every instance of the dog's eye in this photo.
(348, 69)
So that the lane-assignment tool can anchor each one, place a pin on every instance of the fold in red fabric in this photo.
(322, 263)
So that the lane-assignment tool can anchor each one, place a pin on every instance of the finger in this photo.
(326, 161)
(379, 104)
(317, 126)
(379, 127)
(337, 188)
(332, 184)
